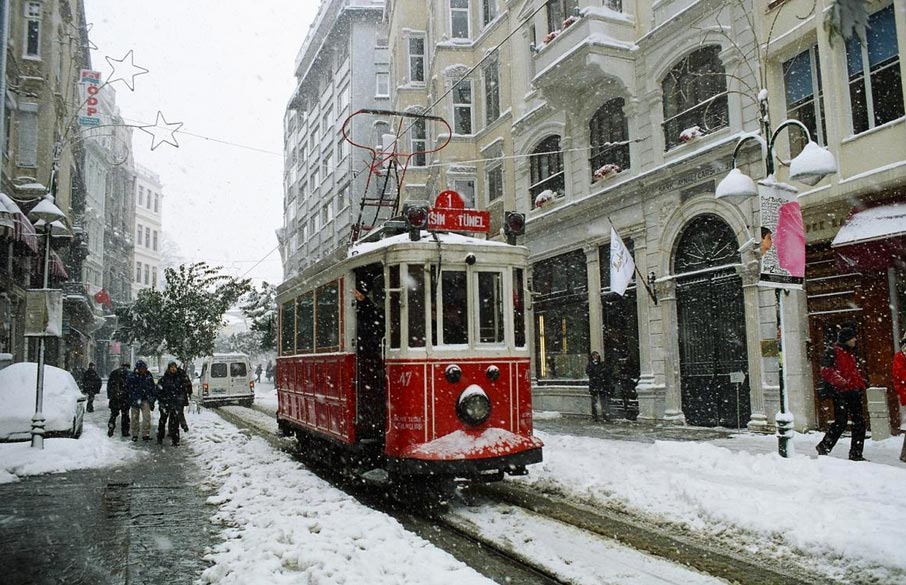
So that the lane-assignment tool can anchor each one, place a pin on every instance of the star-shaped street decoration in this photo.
(162, 131)
(77, 34)
(123, 71)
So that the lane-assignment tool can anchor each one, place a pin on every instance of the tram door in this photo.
(711, 321)
(371, 392)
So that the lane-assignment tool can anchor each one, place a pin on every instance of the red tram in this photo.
(408, 353)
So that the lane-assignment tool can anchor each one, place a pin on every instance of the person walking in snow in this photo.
(141, 394)
(598, 382)
(117, 399)
(171, 394)
(840, 368)
(258, 374)
(899, 385)
(91, 385)
(269, 371)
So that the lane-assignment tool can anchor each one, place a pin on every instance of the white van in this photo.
(225, 378)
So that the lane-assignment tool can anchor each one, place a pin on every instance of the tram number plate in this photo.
(459, 220)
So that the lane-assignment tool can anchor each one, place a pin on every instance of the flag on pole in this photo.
(103, 298)
(622, 266)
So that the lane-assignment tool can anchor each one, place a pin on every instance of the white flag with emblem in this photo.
(621, 264)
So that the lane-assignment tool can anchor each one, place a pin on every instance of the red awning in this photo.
(872, 239)
(23, 230)
(56, 266)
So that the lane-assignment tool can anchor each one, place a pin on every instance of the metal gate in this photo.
(711, 322)
(712, 343)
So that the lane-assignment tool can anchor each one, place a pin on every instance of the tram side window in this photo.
(490, 307)
(327, 330)
(415, 291)
(455, 306)
(305, 323)
(518, 307)
(395, 291)
(288, 329)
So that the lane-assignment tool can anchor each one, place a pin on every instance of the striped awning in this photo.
(57, 268)
(23, 231)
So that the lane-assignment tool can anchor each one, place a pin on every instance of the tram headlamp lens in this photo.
(474, 408)
(453, 373)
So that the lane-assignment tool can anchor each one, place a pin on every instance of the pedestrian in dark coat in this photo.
(258, 371)
(141, 393)
(269, 371)
(598, 384)
(171, 395)
(840, 368)
(91, 385)
(117, 399)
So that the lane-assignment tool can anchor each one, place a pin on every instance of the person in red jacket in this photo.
(840, 368)
(899, 385)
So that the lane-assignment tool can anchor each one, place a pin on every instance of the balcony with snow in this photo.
(592, 48)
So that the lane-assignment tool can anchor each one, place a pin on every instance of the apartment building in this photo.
(850, 95)
(148, 229)
(342, 67)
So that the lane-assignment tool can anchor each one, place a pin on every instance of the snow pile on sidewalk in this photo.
(844, 519)
(283, 524)
(93, 450)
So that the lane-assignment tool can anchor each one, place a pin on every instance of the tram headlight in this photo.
(474, 406)
(493, 373)
(453, 373)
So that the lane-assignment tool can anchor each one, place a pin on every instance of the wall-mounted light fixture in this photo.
(652, 290)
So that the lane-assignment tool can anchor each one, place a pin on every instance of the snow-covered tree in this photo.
(248, 342)
(260, 306)
(186, 315)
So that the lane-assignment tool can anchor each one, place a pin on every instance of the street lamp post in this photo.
(48, 213)
(809, 167)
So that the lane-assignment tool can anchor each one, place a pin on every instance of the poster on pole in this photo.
(44, 313)
(782, 236)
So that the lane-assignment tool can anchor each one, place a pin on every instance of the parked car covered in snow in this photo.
(64, 404)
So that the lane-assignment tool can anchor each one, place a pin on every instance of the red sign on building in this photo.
(450, 214)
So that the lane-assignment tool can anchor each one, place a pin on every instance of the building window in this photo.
(315, 177)
(459, 19)
(491, 91)
(558, 11)
(546, 166)
(327, 164)
(801, 77)
(608, 133)
(383, 85)
(880, 100)
(466, 188)
(488, 11)
(32, 29)
(560, 299)
(462, 107)
(342, 198)
(147, 274)
(138, 272)
(138, 235)
(695, 94)
(156, 203)
(27, 153)
(147, 237)
(154, 246)
(342, 149)
(154, 278)
(495, 183)
(327, 120)
(615, 5)
(417, 58)
(141, 195)
(418, 137)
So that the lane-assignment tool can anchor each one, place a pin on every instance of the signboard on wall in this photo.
(450, 214)
(89, 86)
(782, 236)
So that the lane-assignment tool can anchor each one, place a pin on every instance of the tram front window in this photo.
(490, 307)
(455, 307)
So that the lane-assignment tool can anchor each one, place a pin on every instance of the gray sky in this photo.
(226, 72)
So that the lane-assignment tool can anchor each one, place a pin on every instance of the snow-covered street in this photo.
(275, 521)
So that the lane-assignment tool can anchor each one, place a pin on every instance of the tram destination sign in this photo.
(450, 214)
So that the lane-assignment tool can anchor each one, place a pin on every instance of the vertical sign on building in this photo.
(89, 85)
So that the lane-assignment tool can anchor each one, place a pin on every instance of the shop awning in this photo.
(23, 231)
(57, 268)
(872, 239)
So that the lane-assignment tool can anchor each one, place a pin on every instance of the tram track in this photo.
(499, 558)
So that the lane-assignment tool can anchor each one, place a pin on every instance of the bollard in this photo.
(878, 415)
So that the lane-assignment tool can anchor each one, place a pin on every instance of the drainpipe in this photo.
(4, 40)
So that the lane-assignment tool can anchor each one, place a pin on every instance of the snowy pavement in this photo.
(274, 521)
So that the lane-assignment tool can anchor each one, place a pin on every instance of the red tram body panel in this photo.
(317, 393)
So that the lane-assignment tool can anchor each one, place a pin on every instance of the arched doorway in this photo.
(711, 322)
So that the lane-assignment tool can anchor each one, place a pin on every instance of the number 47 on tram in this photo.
(408, 353)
